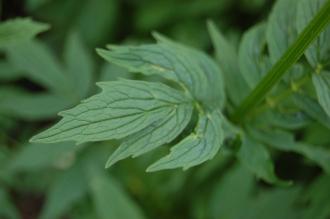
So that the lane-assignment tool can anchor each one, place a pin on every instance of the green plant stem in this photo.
(294, 52)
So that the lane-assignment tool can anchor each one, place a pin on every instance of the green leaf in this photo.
(312, 108)
(192, 69)
(223, 198)
(8, 72)
(322, 86)
(20, 104)
(236, 87)
(319, 51)
(285, 141)
(198, 147)
(111, 201)
(281, 28)
(38, 63)
(121, 109)
(318, 199)
(20, 29)
(68, 189)
(256, 158)
(38, 156)
(106, 12)
(79, 64)
(252, 62)
(7, 209)
(290, 120)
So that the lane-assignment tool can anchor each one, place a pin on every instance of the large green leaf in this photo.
(198, 147)
(18, 30)
(236, 86)
(319, 51)
(192, 69)
(122, 108)
(322, 86)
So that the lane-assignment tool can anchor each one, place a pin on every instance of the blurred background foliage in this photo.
(64, 181)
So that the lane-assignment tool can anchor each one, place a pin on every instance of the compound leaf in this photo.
(322, 86)
(198, 147)
(20, 29)
(121, 109)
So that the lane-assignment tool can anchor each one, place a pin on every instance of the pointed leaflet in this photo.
(319, 52)
(256, 158)
(121, 109)
(192, 69)
(252, 62)
(18, 30)
(157, 134)
(197, 148)
(236, 87)
(322, 86)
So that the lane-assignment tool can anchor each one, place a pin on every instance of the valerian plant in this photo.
(277, 82)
